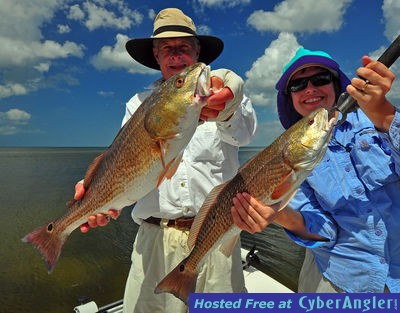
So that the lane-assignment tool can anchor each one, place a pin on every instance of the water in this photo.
(35, 185)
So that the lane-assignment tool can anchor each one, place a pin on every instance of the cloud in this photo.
(266, 70)
(267, 132)
(63, 29)
(25, 54)
(105, 14)
(106, 93)
(221, 3)
(301, 16)
(14, 89)
(116, 58)
(391, 13)
(76, 13)
(15, 116)
(203, 30)
(43, 67)
(11, 120)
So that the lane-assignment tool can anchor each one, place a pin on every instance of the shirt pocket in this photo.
(327, 185)
(372, 160)
(205, 145)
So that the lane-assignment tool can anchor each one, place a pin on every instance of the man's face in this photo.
(175, 54)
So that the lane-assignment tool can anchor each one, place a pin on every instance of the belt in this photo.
(179, 223)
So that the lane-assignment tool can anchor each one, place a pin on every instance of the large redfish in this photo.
(272, 176)
(147, 149)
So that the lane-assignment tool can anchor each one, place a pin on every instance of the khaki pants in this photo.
(156, 252)
(311, 279)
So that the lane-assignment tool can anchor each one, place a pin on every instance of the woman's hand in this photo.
(250, 214)
(371, 91)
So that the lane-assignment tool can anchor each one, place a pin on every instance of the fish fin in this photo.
(71, 203)
(88, 176)
(284, 186)
(173, 166)
(286, 200)
(203, 214)
(48, 242)
(228, 245)
(180, 282)
(170, 169)
(92, 169)
(161, 146)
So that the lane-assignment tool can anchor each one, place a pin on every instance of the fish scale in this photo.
(272, 177)
(145, 151)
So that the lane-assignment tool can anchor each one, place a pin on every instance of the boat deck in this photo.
(256, 282)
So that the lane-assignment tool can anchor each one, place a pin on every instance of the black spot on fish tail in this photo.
(50, 227)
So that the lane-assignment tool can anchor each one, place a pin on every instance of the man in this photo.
(210, 159)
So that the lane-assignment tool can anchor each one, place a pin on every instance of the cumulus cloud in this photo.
(101, 14)
(266, 70)
(391, 13)
(11, 120)
(115, 57)
(12, 89)
(24, 48)
(301, 16)
(16, 116)
(63, 29)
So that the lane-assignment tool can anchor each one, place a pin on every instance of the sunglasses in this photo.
(320, 79)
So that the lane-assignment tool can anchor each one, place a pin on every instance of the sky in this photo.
(65, 75)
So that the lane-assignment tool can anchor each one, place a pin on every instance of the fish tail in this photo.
(48, 242)
(180, 282)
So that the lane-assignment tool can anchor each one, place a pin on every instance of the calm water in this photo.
(35, 185)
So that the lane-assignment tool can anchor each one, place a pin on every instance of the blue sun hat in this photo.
(304, 58)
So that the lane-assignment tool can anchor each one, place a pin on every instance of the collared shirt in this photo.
(210, 159)
(353, 199)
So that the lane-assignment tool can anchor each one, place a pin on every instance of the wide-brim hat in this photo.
(304, 58)
(173, 23)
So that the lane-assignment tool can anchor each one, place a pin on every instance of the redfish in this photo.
(272, 177)
(147, 149)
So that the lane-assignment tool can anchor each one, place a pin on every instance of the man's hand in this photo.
(217, 101)
(99, 219)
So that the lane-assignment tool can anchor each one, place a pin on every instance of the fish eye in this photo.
(311, 121)
(179, 82)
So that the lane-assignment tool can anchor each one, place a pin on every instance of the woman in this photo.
(347, 212)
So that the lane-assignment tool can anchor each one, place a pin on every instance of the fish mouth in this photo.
(332, 121)
(203, 86)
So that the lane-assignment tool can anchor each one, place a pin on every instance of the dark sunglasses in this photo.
(320, 79)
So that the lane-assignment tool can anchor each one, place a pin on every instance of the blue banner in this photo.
(294, 302)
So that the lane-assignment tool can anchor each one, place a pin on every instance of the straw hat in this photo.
(173, 23)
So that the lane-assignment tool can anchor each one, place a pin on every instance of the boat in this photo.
(256, 282)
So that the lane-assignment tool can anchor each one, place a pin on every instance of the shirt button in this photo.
(186, 210)
(183, 184)
(378, 232)
(359, 190)
(364, 145)
(347, 168)
(382, 261)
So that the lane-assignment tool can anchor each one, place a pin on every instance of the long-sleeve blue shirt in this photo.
(353, 199)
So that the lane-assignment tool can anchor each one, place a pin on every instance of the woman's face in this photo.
(308, 95)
